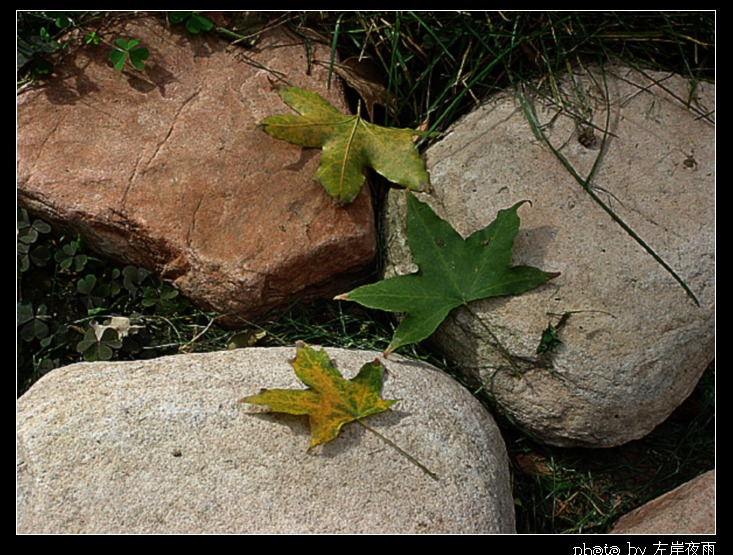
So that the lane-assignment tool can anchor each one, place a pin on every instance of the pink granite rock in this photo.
(166, 168)
(688, 509)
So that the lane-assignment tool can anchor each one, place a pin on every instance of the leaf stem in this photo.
(498, 344)
(399, 449)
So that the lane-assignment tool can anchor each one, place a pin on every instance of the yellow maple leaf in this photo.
(349, 144)
(330, 401)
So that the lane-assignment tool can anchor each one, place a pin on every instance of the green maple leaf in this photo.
(452, 272)
(349, 143)
(330, 400)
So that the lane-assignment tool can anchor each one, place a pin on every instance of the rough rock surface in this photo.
(164, 446)
(634, 344)
(167, 169)
(688, 509)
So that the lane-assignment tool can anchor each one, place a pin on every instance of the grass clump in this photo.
(436, 66)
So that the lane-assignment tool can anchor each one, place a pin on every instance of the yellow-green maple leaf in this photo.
(349, 144)
(330, 400)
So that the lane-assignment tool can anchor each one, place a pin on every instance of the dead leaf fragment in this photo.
(533, 465)
(362, 76)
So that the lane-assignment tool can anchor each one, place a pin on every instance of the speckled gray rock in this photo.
(164, 446)
(634, 343)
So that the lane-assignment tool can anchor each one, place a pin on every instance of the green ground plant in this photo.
(128, 50)
(193, 21)
(73, 305)
(429, 69)
(35, 41)
(43, 36)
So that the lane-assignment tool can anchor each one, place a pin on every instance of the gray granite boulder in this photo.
(164, 446)
(634, 343)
